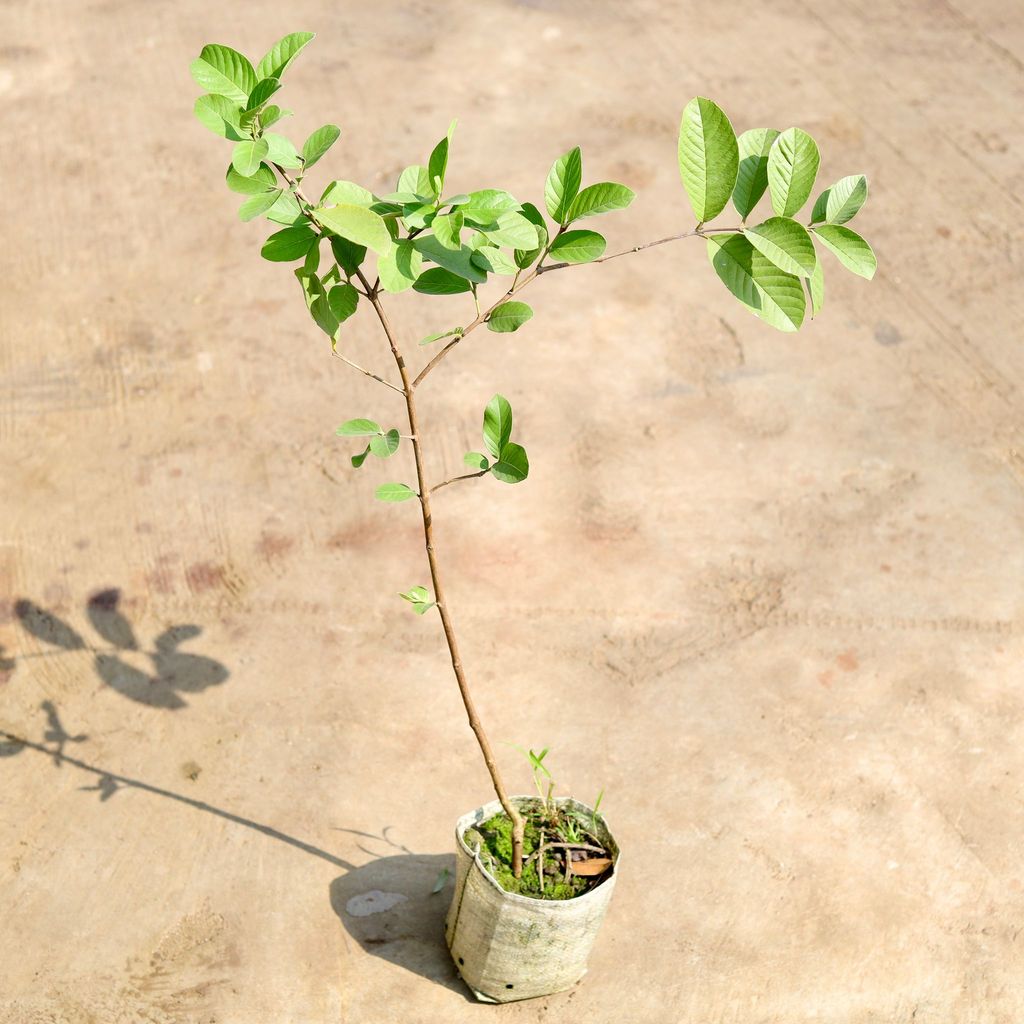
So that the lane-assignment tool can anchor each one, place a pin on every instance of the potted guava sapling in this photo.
(534, 874)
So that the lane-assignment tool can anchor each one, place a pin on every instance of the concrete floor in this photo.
(764, 589)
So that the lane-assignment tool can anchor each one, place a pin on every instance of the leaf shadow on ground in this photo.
(389, 907)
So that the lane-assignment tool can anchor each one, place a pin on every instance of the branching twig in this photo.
(356, 366)
(465, 476)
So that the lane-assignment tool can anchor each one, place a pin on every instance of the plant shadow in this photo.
(389, 907)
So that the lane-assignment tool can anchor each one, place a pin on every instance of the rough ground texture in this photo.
(764, 589)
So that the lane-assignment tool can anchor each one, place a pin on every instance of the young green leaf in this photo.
(385, 445)
(786, 244)
(792, 167)
(816, 289)
(358, 460)
(348, 254)
(416, 594)
(271, 114)
(563, 184)
(493, 260)
(497, 424)
(438, 281)
(440, 882)
(286, 210)
(447, 228)
(600, 198)
(525, 257)
(281, 54)
(437, 166)
(458, 261)
(359, 225)
(486, 205)
(262, 180)
(346, 192)
(708, 157)
(225, 72)
(578, 247)
(769, 293)
(512, 466)
(281, 150)
(849, 248)
(841, 202)
(415, 180)
(343, 299)
(318, 143)
(290, 244)
(247, 156)
(359, 428)
(475, 460)
(257, 204)
(752, 173)
(509, 317)
(511, 229)
(324, 318)
(265, 88)
(221, 115)
(442, 334)
(395, 492)
(400, 268)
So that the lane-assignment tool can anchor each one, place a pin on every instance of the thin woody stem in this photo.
(698, 233)
(518, 826)
(356, 366)
(465, 476)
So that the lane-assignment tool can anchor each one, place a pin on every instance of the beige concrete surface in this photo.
(764, 589)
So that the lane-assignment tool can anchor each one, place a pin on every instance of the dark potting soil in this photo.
(573, 858)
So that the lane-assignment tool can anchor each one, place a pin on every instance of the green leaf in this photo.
(221, 115)
(400, 268)
(708, 157)
(319, 142)
(509, 317)
(416, 594)
(323, 316)
(395, 492)
(346, 192)
(440, 882)
(225, 72)
(286, 210)
(343, 299)
(349, 256)
(438, 281)
(415, 180)
(849, 248)
(281, 54)
(563, 184)
(263, 180)
(792, 167)
(525, 257)
(447, 228)
(483, 207)
(441, 334)
(385, 445)
(578, 246)
(511, 229)
(512, 466)
(282, 151)
(257, 204)
(816, 289)
(475, 460)
(272, 114)
(769, 293)
(247, 156)
(437, 166)
(600, 198)
(752, 174)
(497, 424)
(493, 260)
(359, 428)
(841, 202)
(458, 261)
(358, 225)
(786, 244)
(265, 88)
(289, 244)
(358, 460)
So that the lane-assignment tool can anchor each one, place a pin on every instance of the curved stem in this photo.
(465, 476)
(518, 826)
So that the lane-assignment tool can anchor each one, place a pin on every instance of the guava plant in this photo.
(358, 249)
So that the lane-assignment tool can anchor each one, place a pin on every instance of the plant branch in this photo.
(356, 366)
(465, 476)
(699, 232)
(518, 825)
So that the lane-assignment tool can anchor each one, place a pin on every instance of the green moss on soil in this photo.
(494, 838)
